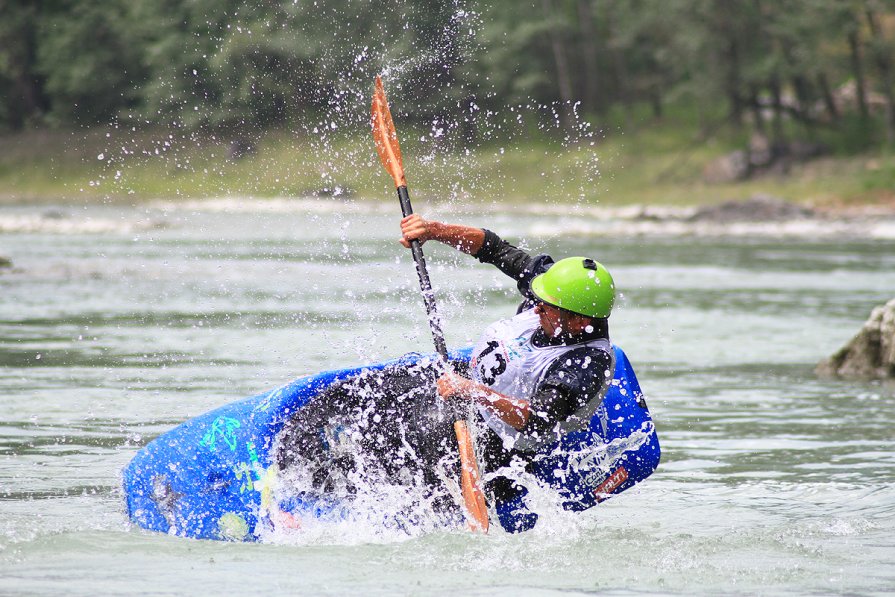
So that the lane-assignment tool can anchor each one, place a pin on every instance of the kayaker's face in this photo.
(551, 319)
(556, 322)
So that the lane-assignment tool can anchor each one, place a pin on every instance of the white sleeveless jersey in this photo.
(505, 359)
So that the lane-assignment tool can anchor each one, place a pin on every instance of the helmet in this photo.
(577, 284)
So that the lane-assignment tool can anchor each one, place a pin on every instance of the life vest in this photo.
(506, 360)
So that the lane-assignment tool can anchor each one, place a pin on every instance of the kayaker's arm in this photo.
(513, 411)
(554, 404)
(463, 238)
(484, 245)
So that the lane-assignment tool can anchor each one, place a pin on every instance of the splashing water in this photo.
(457, 155)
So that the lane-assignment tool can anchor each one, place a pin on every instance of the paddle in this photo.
(386, 138)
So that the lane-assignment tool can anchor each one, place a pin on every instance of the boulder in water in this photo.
(871, 353)
(758, 208)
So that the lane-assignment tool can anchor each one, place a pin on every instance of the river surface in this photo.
(118, 323)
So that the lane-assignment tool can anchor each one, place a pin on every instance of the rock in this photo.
(5, 263)
(333, 191)
(54, 214)
(761, 152)
(763, 157)
(758, 208)
(802, 151)
(871, 353)
(728, 168)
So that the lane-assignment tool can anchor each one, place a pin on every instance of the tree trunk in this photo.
(883, 59)
(857, 68)
(656, 101)
(619, 72)
(755, 103)
(563, 77)
(589, 54)
(803, 95)
(829, 103)
(732, 83)
(26, 99)
(778, 143)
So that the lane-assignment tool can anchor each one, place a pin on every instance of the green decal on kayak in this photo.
(223, 427)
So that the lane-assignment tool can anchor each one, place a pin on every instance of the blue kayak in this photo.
(211, 477)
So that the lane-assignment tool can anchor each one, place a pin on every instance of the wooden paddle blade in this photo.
(386, 136)
(470, 481)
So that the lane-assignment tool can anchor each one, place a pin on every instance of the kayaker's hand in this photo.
(415, 227)
(451, 385)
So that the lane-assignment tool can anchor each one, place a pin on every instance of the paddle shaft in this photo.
(425, 285)
(473, 497)
(386, 139)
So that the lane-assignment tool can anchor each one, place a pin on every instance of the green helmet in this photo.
(577, 284)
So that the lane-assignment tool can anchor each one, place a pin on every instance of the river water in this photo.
(117, 323)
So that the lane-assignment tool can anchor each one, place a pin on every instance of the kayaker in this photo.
(540, 375)
(538, 379)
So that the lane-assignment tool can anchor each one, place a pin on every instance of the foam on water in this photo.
(60, 222)
(559, 220)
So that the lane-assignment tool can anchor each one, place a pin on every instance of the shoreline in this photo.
(758, 217)
(647, 169)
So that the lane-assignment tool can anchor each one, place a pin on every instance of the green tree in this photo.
(22, 97)
(89, 59)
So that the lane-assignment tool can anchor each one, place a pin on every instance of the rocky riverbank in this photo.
(760, 216)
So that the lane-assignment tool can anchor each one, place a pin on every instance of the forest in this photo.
(231, 66)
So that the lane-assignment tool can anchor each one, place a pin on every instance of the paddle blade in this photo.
(470, 481)
(386, 137)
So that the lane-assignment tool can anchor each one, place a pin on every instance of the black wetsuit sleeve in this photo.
(571, 382)
(513, 261)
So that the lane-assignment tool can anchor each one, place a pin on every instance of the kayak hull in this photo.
(211, 477)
